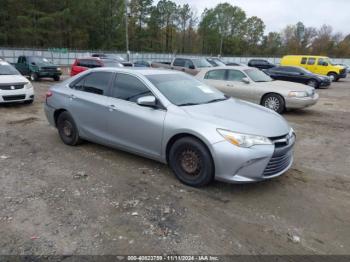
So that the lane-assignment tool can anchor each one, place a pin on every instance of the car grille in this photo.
(278, 164)
(12, 87)
(343, 71)
(49, 69)
(282, 156)
(14, 98)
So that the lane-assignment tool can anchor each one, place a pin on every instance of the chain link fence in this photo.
(65, 57)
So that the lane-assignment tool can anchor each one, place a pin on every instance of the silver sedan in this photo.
(173, 118)
(255, 86)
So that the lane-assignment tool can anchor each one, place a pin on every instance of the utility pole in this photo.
(127, 30)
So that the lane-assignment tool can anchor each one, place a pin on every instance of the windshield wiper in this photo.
(188, 104)
(217, 100)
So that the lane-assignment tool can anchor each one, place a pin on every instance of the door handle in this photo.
(72, 97)
(112, 108)
(229, 85)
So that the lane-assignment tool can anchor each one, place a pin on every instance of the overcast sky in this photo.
(278, 13)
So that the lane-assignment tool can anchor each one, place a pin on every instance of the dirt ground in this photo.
(91, 199)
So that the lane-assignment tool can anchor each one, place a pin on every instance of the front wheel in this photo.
(56, 78)
(191, 162)
(34, 77)
(313, 83)
(274, 102)
(333, 77)
(67, 129)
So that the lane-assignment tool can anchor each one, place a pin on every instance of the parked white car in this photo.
(13, 86)
(255, 86)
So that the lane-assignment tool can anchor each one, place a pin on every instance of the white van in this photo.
(13, 86)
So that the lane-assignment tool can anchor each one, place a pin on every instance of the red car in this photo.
(83, 64)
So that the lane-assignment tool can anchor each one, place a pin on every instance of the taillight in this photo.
(48, 94)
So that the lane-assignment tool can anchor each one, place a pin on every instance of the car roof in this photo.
(138, 70)
(227, 67)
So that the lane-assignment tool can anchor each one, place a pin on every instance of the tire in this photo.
(56, 78)
(191, 162)
(333, 76)
(274, 102)
(34, 77)
(67, 129)
(313, 83)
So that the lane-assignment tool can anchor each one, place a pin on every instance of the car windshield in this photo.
(218, 62)
(38, 59)
(201, 63)
(257, 75)
(183, 90)
(6, 69)
(301, 69)
(111, 63)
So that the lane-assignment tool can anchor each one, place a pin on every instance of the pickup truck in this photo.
(188, 65)
(37, 67)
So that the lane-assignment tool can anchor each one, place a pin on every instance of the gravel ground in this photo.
(94, 200)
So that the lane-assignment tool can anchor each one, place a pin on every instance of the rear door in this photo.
(216, 78)
(88, 104)
(130, 126)
(179, 64)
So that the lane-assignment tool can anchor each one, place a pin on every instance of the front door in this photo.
(131, 126)
(237, 87)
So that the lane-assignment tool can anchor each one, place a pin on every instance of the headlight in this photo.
(58, 68)
(28, 86)
(297, 94)
(291, 132)
(244, 140)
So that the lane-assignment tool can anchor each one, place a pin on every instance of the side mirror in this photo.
(191, 67)
(246, 80)
(147, 101)
(325, 64)
(33, 63)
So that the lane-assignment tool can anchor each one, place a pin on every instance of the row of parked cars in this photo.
(191, 123)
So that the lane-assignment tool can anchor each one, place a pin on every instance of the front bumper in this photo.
(247, 165)
(49, 73)
(18, 95)
(297, 103)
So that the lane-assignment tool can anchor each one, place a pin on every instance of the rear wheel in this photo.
(191, 162)
(313, 83)
(274, 102)
(67, 129)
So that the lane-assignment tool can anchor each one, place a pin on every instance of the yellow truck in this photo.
(320, 65)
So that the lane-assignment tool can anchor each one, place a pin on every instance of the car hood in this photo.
(240, 116)
(12, 79)
(284, 86)
(46, 65)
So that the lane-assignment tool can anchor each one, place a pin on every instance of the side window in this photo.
(311, 61)
(179, 62)
(303, 61)
(234, 75)
(189, 63)
(321, 61)
(129, 88)
(216, 75)
(96, 83)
